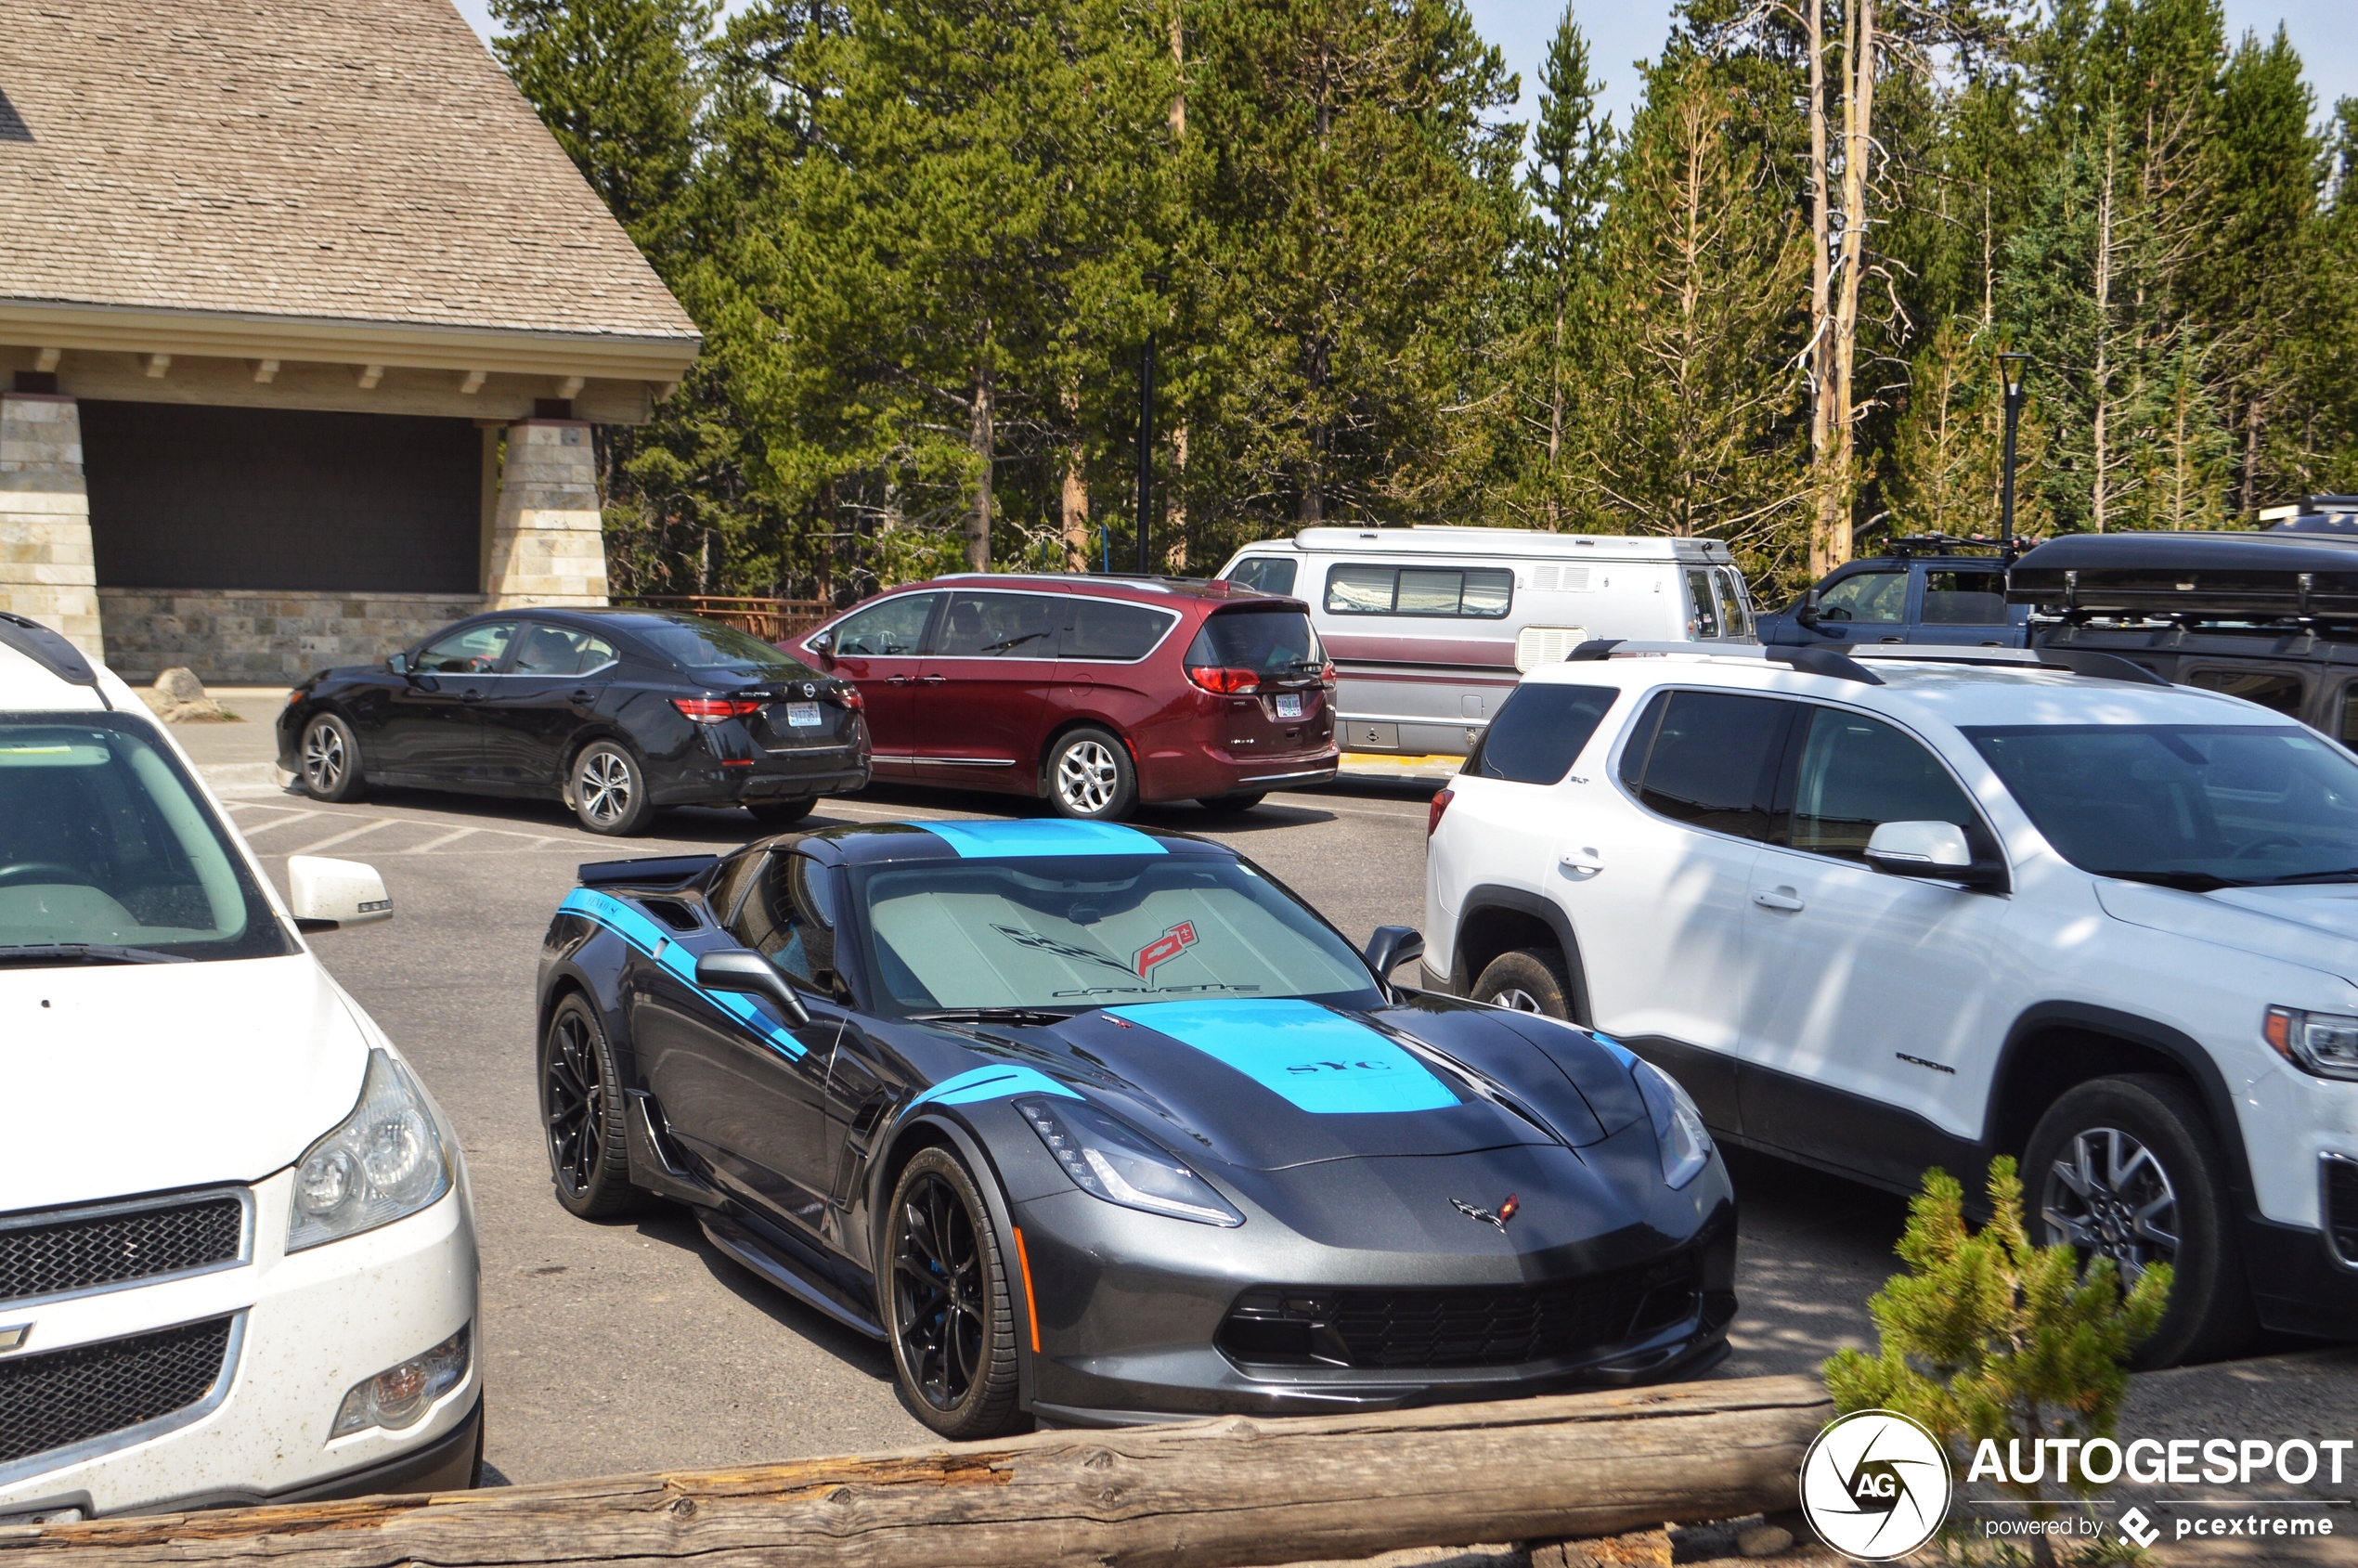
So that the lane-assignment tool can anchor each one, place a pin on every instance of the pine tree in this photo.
(1948, 455)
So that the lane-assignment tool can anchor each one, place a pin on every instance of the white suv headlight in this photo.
(1678, 1129)
(2324, 1043)
(383, 1162)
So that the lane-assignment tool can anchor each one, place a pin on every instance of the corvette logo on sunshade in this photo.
(1165, 948)
(1506, 1211)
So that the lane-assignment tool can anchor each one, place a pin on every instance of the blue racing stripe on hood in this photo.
(999, 1082)
(642, 933)
(1312, 1056)
(1042, 838)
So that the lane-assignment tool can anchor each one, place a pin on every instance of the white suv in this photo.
(1884, 913)
(237, 1249)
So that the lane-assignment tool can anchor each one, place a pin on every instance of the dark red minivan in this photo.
(1093, 693)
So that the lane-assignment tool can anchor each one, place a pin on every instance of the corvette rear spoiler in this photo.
(660, 870)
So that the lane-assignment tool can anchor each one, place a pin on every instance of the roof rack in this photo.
(2075, 661)
(1908, 545)
(1840, 666)
(1810, 660)
(50, 650)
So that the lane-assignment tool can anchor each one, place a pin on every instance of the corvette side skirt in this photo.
(740, 1244)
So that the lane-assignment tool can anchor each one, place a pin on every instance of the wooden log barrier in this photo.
(1217, 1493)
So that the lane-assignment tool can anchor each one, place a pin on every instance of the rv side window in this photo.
(1461, 592)
(1270, 574)
(1703, 610)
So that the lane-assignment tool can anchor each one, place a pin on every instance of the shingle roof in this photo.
(347, 160)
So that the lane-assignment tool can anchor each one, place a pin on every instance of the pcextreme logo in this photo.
(1875, 1485)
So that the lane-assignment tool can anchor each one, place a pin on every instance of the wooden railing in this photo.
(772, 620)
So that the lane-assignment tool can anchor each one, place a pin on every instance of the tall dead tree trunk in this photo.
(1820, 356)
(983, 437)
(1858, 122)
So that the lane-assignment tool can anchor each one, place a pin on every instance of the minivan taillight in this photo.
(1226, 679)
(1439, 803)
(713, 710)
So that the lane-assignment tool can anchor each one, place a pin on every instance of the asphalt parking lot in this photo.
(635, 1345)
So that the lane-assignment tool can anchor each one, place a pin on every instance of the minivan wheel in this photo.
(952, 1315)
(2127, 1168)
(1090, 777)
(1528, 981)
(609, 792)
(1232, 802)
(330, 757)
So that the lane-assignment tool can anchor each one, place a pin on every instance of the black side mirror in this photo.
(747, 973)
(397, 663)
(1391, 947)
(1806, 613)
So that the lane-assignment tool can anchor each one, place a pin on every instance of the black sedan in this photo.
(615, 712)
(1095, 1126)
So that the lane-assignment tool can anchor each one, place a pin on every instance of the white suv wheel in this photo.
(2110, 1197)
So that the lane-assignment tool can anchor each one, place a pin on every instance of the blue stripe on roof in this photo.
(1042, 837)
(651, 938)
(1312, 1056)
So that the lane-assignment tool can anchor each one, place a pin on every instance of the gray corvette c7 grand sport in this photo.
(1095, 1126)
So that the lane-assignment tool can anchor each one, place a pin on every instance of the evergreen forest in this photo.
(933, 246)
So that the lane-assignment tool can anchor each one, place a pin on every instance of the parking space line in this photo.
(335, 838)
(282, 822)
(430, 844)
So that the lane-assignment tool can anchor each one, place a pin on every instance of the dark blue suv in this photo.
(1929, 588)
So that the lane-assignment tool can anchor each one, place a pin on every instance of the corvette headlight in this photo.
(1678, 1130)
(383, 1162)
(1106, 1159)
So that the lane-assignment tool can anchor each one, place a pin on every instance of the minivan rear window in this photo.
(1539, 734)
(1108, 629)
(1276, 641)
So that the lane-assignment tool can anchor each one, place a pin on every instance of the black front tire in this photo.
(2128, 1168)
(1090, 778)
(781, 814)
(952, 1317)
(581, 1111)
(1529, 980)
(330, 755)
(1232, 802)
(608, 790)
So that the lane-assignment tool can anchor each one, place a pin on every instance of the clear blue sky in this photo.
(1623, 31)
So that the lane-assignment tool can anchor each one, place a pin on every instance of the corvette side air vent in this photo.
(672, 913)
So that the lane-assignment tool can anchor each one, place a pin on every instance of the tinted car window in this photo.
(1273, 642)
(895, 627)
(1108, 629)
(1539, 732)
(108, 843)
(693, 643)
(560, 650)
(996, 626)
(1964, 598)
(475, 650)
(2348, 733)
(2280, 690)
(1857, 773)
(1880, 596)
(1478, 592)
(787, 913)
(1270, 574)
(1713, 760)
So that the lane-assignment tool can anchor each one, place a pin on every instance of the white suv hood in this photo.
(125, 1079)
(2314, 926)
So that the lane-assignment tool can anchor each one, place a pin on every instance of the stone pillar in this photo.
(546, 544)
(47, 570)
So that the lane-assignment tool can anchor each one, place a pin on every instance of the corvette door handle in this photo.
(1779, 898)
(583, 695)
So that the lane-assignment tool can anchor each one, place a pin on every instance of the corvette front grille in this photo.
(75, 1396)
(1507, 1326)
(62, 1251)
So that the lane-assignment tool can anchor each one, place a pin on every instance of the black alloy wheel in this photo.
(954, 1343)
(330, 757)
(2126, 1168)
(581, 1107)
(782, 812)
(1526, 980)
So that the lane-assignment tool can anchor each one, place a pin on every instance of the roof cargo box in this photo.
(2252, 576)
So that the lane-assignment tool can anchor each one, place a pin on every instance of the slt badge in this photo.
(1506, 1211)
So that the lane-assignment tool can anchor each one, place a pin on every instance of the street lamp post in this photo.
(2010, 369)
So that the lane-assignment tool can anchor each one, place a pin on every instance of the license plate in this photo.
(803, 716)
(1290, 706)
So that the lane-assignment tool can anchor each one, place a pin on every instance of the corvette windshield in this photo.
(1095, 931)
(2192, 806)
(109, 855)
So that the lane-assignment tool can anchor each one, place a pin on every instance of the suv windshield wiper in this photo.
(86, 953)
(989, 1016)
(2185, 881)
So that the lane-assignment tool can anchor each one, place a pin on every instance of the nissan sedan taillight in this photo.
(713, 710)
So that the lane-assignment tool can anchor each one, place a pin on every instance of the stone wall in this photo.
(547, 543)
(235, 638)
(47, 568)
